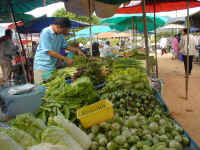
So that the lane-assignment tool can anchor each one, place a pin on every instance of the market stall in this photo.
(126, 113)
(97, 104)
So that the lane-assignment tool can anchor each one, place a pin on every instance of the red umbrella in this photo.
(12, 26)
(160, 6)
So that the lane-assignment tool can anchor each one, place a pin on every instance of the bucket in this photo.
(180, 57)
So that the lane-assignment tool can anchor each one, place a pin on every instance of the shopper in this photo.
(107, 49)
(192, 49)
(95, 49)
(52, 40)
(175, 46)
(7, 50)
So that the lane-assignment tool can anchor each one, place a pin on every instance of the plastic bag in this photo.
(20, 136)
(81, 137)
(48, 146)
(56, 135)
(8, 144)
(28, 123)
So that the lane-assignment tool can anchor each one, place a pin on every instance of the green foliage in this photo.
(114, 42)
(63, 13)
(80, 40)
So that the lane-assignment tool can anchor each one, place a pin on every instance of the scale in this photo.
(21, 99)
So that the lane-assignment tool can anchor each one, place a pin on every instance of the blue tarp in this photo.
(36, 25)
(193, 29)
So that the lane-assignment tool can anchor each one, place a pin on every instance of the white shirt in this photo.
(192, 45)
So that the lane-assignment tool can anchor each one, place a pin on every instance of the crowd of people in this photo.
(178, 47)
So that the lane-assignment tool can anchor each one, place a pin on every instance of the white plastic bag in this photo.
(48, 146)
(6, 143)
(56, 135)
(81, 137)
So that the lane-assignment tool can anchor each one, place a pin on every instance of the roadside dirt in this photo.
(187, 112)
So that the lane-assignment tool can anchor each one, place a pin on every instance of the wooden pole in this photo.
(187, 71)
(22, 51)
(146, 37)
(155, 37)
(90, 22)
(133, 30)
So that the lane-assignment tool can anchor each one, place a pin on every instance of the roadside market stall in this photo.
(124, 114)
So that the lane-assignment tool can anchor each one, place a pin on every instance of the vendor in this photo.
(7, 50)
(52, 40)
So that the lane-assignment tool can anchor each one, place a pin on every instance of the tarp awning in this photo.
(195, 20)
(160, 6)
(36, 26)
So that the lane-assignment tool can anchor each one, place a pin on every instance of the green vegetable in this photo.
(28, 123)
(56, 135)
(133, 148)
(175, 144)
(111, 146)
(120, 139)
(95, 129)
(102, 148)
(19, 136)
(153, 126)
(94, 146)
(185, 141)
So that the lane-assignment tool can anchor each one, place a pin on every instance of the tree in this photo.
(63, 13)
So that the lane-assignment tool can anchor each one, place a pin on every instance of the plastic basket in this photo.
(95, 113)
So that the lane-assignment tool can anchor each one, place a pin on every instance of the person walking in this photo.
(7, 50)
(192, 50)
(175, 46)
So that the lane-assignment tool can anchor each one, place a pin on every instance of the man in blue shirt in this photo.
(52, 40)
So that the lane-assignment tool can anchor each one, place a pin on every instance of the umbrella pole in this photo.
(187, 71)
(133, 30)
(155, 37)
(136, 34)
(146, 36)
(90, 22)
(20, 40)
(74, 36)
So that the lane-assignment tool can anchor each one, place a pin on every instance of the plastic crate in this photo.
(95, 113)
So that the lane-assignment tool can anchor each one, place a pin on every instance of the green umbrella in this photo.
(125, 22)
(19, 17)
(22, 6)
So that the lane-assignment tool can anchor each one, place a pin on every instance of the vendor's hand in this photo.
(69, 61)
